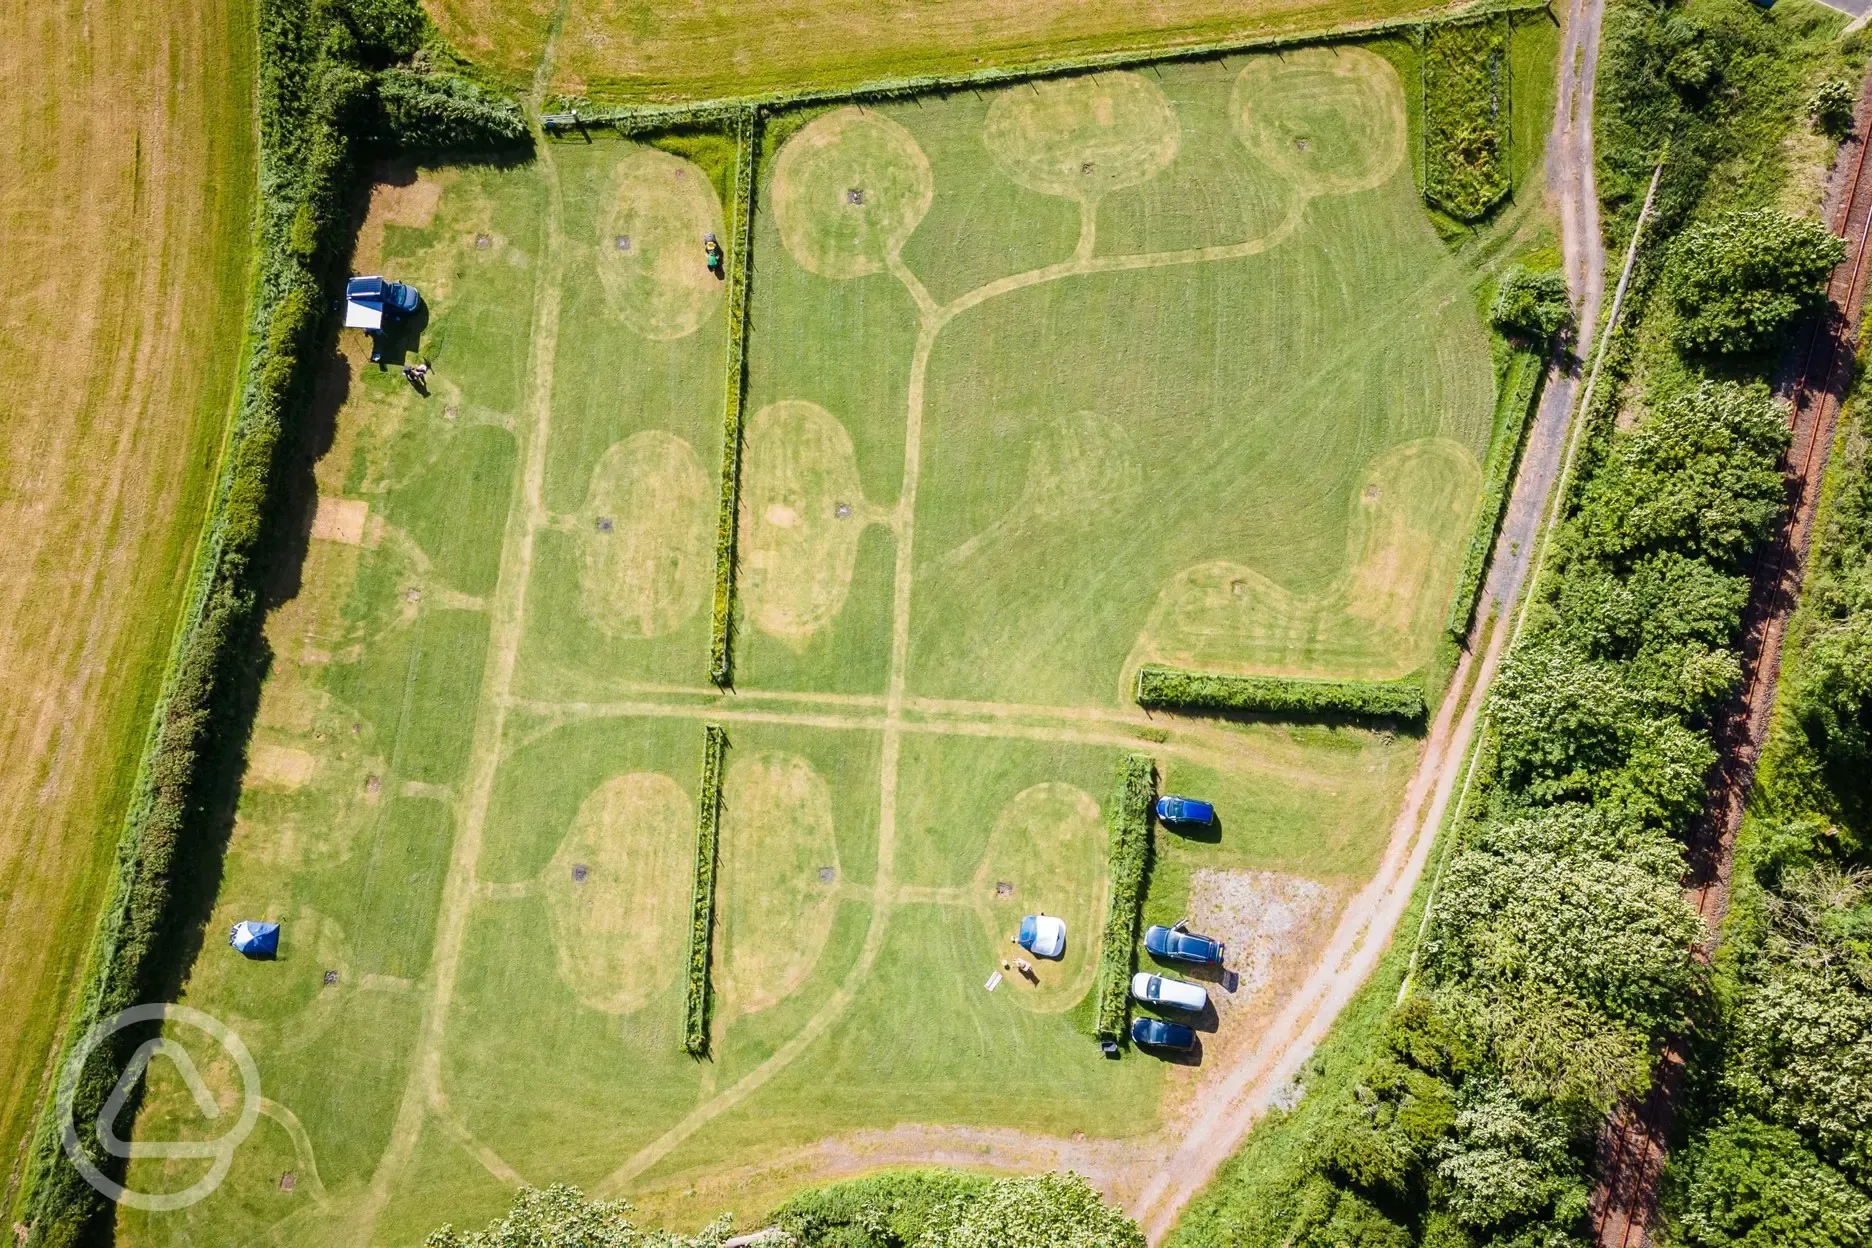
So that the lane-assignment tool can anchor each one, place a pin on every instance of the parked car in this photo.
(1162, 990)
(1043, 935)
(1181, 946)
(1173, 809)
(1161, 1035)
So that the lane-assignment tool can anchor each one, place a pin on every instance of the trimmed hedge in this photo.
(1521, 396)
(702, 896)
(1128, 817)
(1466, 115)
(734, 393)
(330, 88)
(1172, 687)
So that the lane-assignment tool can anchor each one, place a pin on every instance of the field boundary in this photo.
(746, 127)
(702, 895)
(1175, 688)
(1505, 447)
(1129, 822)
(635, 119)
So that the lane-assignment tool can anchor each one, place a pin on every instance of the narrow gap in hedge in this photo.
(734, 393)
(1175, 688)
(1128, 818)
(702, 896)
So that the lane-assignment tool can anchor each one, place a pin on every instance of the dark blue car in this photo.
(1159, 1034)
(1172, 809)
(395, 298)
(1180, 946)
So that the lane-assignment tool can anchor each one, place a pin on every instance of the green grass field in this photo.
(1044, 383)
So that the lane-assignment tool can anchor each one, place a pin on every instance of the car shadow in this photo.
(401, 337)
(1202, 833)
(1190, 1057)
(1203, 1020)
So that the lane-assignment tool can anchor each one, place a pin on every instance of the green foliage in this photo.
(561, 1217)
(702, 894)
(949, 1209)
(740, 262)
(717, 152)
(1466, 122)
(428, 112)
(1751, 1185)
(1832, 690)
(1128, 818)
(1742, 281)
(1532, 306)
(1279, 695)
(318, 91)
(1832, 107)
(1514, 412)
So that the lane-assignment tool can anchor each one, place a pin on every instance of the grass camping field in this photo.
(1044, 383)
(126, 176)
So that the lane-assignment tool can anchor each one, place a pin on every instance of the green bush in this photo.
(1832, 106)
(1128, 820)
(427, 112)
(1742, 281)
(1466, 123)
(950, 1209)
(1532, 306)
(702, 894)
(740, 262)
(1174, 688)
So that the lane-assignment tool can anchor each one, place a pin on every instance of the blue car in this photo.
(395, 298)
(1184, 810)
(1180, 946)
(1159, 1034)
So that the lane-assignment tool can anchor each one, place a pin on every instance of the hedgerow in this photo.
(734, 394)
(1520, 398)
(1128, 820)
(1174, 688)
(1466, 115)
(336, 82)
(702, 895)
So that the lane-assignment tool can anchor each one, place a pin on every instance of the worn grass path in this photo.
(126, 181)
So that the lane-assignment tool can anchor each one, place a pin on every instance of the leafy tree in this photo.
(561, 1217)
(1508, 1163)
(1752, 1185)
(1532, 305)
(1700, 475)
(888, 1210)
(1834, 695)
(1325, 1216)
(1740, 282)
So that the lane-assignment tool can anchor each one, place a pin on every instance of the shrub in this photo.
(1532, 306)
(1128, 818)
(1742, 281)
(1832, 107)
(702, 894)
(1757, 1186)
(1466, 104)
(1279, 695)
(444, 112)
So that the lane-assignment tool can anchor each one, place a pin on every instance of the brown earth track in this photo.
(126, 186)
(1632, 1147)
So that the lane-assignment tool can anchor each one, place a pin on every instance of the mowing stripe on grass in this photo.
(1172, 687)
(1128, 816)
(1520, 397)
(740, 262)
(702, 896)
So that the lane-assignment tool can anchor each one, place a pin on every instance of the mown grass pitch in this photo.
(1043, 384)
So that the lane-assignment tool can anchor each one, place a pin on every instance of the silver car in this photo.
(1162, 990)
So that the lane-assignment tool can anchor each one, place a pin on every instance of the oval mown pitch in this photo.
(1081, 137)
(1330, 119)
(848, 190)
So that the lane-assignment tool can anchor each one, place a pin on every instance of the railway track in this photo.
(1632, 1147)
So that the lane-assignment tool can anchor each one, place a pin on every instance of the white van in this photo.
(1162, 990)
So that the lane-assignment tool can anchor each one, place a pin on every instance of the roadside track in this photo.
(1633, 1145)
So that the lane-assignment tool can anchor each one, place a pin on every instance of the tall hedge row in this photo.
(734, 392)
(1128, 819)
(335, 83)
(1521, 395)
(702, 895)
(1177, 689)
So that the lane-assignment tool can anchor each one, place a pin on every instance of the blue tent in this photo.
(256, 940)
